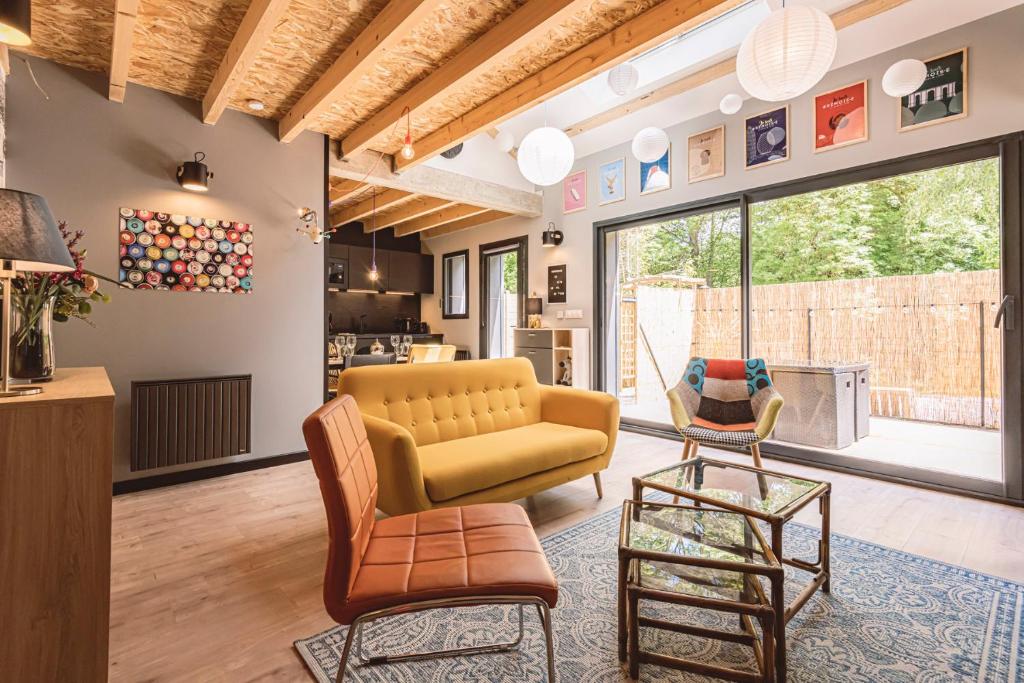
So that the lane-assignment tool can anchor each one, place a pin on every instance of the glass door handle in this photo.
(1004, 316)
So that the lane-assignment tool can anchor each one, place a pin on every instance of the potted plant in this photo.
(39, 299)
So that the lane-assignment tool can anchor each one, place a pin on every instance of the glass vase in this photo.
(32, 342)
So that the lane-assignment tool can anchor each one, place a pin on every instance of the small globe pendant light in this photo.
(787, 54)
(545, 156)
(650, 144)
(904, 77)
(623, 79)
(730, 104)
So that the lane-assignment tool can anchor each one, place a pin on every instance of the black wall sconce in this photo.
(193, 175)
(552, 237)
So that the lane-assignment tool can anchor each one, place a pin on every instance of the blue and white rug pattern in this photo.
(892, 617)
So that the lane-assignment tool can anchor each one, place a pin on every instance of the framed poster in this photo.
(556, 284)
(705, 155)
(767, 137)
(574, 192)
(841, 117)
(656, 175)
(184, 253)
(943, 95)
(611, 182)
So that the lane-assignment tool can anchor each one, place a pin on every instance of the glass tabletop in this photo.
(693, 533)
(757, 492)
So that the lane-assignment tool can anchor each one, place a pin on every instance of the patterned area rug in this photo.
(891, 617)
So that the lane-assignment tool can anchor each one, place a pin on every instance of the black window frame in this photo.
(446, 285)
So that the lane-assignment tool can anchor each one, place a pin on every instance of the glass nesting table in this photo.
(772, 497)
(698, 557)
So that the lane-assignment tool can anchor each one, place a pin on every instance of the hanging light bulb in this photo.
(407, 150)
(374, 274)
(904, 77)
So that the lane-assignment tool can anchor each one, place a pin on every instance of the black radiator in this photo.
(179, 421)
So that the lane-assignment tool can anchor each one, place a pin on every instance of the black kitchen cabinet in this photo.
(410, 272)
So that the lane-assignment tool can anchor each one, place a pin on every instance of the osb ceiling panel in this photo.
(73, 32)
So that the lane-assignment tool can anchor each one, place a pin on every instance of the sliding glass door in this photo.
(885, 300)
(503, 299)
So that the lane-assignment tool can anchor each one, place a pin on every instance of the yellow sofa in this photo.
(446, 434)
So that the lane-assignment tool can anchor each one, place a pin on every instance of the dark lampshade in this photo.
(29, 236)
(551, 237)
(534, 305)
(194, 175)
(16, 22)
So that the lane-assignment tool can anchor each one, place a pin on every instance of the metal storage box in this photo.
(822, 403)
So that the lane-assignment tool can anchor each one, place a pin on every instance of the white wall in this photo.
(996, 106)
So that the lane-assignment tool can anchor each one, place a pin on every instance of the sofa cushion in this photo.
(455, 468)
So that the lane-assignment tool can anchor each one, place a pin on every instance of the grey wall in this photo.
(996, 106)
(88, 156)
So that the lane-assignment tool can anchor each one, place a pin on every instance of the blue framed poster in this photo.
(767, 137)
(656, 175)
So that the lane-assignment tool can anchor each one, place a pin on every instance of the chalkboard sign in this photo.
(556, 284)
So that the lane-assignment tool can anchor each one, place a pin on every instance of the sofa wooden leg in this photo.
(597, 485)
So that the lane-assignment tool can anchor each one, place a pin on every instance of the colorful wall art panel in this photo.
(841, 117)
(767, 137)
(943, 95)
(656, 175)
(574, 192)
(183, 253)
(612, 181)
(705, 154)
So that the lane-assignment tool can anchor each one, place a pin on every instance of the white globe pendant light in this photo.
(505, 141)
(623, 79)
(545, 156)
(730, 104)
(786, 54)
(904, 77)
(650, 144)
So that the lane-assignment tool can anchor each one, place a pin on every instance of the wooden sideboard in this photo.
(55, 495)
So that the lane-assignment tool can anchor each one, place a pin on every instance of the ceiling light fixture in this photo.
(546, 156)
(650, 144)
(255, 105)
(374, 273)
(904, 77)
(407, 150)
(730, 104)
(623, 79)
(787, 54)
(194, 175)
(16, 22)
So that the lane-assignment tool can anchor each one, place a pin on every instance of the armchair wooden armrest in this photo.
(400, 479)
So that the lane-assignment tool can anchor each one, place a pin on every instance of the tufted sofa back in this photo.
(446, 401)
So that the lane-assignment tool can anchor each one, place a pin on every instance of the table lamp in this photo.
(534, 308)
(29, 241)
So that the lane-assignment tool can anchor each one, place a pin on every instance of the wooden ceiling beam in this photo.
(392, 24)
(645, 31)
(407, 212)
(125, 14)
(345, 188)
(380, 201)
(842, 19)
(521, 28)
(437, 218)
(375, 169)
(464, 224)
(254, 31)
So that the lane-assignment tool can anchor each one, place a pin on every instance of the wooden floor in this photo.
(213, 581)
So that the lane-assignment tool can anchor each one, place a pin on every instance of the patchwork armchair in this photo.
(725, 403)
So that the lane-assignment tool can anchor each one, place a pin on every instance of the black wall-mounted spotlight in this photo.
(193, 175)
(552, 237)
(16, 22)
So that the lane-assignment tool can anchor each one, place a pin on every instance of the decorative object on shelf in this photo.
(656, 176)
(650, 144)
(16, 22)
(41, 298)
(611, 182)
(505, 141)
(623, 79)
(407, 150)
(705, 153)
(184, 253)
(565, 365)
(30, 241)
(452, 152)
(534, 309)
(310, 228)
(904, 77)
(841, 117)
(574, 192)
(730, 104)
(556, 284)
(545, 156)
(767, 137)
(786, 54)
(194, 175)
(943, 95)
(551, 237)
(376, 348)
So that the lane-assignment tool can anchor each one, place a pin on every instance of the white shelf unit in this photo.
(548, 347)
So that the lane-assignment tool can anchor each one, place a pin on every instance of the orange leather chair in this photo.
(450, 557)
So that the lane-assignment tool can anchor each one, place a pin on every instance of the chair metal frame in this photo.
(355, 631)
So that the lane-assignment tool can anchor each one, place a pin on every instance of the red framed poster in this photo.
(841, 117)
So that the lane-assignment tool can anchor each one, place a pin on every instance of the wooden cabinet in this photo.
(553, 350)
(55, 494)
